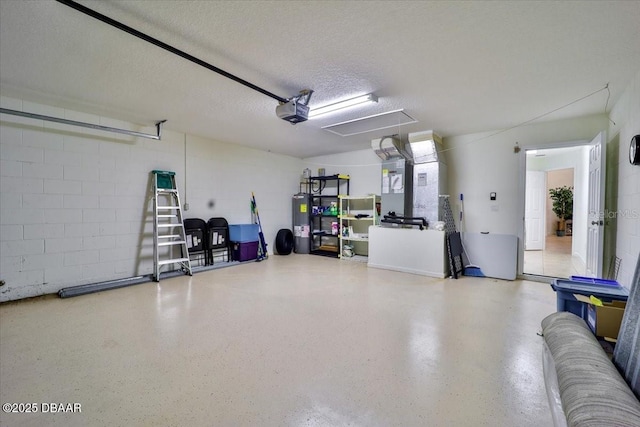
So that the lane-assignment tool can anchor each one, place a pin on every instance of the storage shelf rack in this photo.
(325, 192)
(357, 214)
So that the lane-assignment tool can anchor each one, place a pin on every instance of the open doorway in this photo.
(555, 244)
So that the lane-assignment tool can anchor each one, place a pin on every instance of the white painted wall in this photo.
(362, 166)
(73, 200)
(483, 163)
(480, 164)
(626, 115)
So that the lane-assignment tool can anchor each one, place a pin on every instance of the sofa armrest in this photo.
(592, 391)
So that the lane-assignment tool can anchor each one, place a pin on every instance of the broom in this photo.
(262, 248)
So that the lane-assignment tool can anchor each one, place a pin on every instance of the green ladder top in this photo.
(164, 180)
(159, 172)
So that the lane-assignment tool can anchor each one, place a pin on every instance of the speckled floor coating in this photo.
(295, 340)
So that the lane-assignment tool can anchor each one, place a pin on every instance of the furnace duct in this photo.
(413, 175)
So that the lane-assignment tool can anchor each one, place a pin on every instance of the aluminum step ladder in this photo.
(168, 225)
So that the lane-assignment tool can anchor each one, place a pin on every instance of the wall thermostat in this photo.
(634, 150)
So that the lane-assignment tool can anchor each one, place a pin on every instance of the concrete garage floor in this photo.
(295, 340)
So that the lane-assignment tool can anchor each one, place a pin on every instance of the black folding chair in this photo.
(197, 234)
(219, 244)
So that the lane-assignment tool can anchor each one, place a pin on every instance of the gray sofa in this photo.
(585, 387)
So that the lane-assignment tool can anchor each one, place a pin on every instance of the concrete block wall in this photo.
(625, 116)
(75, 205)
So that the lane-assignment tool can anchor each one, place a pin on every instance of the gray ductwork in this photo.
(424, 146)
(429, 175)
(390, 147)
(397, 174)
(413, 175)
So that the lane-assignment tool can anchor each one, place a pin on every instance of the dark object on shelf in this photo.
(405, 220)
(362, 216)
(219, 242)
(284, 241)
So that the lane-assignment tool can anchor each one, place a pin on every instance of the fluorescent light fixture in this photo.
(362, 99)
(371, 123)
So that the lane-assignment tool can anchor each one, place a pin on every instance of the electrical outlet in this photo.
(186, 206)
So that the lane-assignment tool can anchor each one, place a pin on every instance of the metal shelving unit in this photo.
(357, 214)
(325, 226)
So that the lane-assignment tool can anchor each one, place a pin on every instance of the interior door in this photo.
(534, 211)
(595, 234)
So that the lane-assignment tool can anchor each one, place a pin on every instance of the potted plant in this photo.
(562, 198)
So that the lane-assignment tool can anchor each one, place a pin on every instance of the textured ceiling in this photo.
(456, 67)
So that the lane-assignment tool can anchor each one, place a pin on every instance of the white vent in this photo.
(371, 123)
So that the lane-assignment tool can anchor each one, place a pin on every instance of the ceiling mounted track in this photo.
(168, 48)
(157, 136)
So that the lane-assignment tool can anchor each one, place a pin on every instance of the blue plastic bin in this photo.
(243, 233)
(567, 302)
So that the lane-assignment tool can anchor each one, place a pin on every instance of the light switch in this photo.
(492, 196)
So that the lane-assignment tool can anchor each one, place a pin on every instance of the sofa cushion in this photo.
(592, 391)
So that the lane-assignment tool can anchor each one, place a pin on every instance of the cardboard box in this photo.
(604, 320)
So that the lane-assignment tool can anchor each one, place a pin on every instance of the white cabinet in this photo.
(409, 250)
(356, 215)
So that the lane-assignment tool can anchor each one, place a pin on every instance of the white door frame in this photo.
(522, 160)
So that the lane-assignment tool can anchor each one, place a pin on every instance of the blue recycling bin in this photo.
(565, 289)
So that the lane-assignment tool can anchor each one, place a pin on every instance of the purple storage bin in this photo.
(243, 232)
(245, 251)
